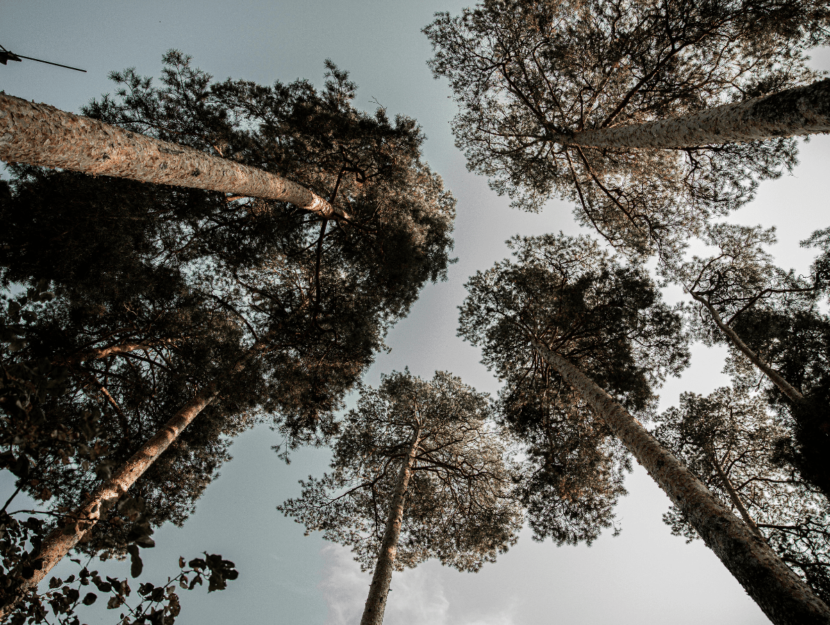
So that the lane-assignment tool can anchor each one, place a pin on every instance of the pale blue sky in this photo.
(643, 576)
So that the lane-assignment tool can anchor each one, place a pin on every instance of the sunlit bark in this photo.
(797, 111)
(39, 134)
(778, 591)
(382, 577)
(72, 528)
(114, 350)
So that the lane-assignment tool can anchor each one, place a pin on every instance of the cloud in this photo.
(417, 598)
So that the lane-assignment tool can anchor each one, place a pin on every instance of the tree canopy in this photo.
(772, 321)
(606, 318)
(530, 76)
(154, 292)
(728, 440)
(457, 505)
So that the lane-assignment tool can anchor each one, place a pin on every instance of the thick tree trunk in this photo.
(785, 387)
(39, 134)
(72, 528)
(780, 593)
(798, 111)
(382, 577)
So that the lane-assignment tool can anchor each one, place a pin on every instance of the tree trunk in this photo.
(780, 593)
(382, 577)
(797, 111)
(733, 494)
(72, 528)
(785, 387)
(39, 134)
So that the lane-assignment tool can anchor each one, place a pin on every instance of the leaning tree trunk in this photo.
(733, 494)
(39, 134)
(72, 528)
(778, 591)
(797, 111)
(382, 577)
(814, 438)
(785, 387)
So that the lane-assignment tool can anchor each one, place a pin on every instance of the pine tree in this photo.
(728, 440)
(559, 98)
(573, 468)
(769, 317)
(312, 299)
(567, 312)
(417, 473)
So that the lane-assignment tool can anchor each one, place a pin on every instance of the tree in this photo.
(770, 318)
(727, 440)
(417, 473)
(553, 92)
(568, 312)
(39, 134)
(572, 469)
(303, 306)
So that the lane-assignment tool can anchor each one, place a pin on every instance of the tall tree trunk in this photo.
(785, 387)
(797, 111)
(382, 577)
(72, 528)
(780, 593)
(39, 134)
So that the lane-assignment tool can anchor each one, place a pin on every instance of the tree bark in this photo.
(778, 591)
(382, 577)
(72, 528)
(39, 134)
(797, 111)
(733, 494)
(785, 387)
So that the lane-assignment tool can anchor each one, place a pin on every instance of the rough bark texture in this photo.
(39, 134)
(382, 577)
(780, 593)
(81, 520)
(785, 387)
(798, 111)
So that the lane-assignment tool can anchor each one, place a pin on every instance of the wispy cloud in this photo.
(417, 598)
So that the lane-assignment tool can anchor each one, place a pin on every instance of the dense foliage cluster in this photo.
(140, 296)
(606, 318)
(530, 76)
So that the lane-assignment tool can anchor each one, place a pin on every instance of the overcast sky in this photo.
(645, 575)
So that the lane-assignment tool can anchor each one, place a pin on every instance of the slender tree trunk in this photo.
(780, 593)
(39, 134)
(382, 577)
(733, 495)
(797, 111)
(72, 528)
(785, 387)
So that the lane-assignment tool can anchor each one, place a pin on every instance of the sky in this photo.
(644, 575)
